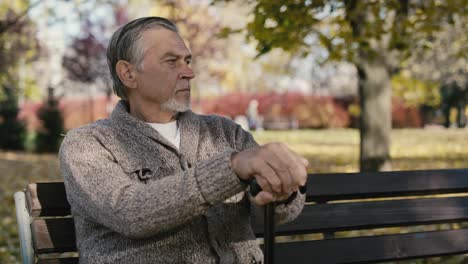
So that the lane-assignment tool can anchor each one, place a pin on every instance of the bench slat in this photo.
(362, 215)
(55, 235)
(59, 261)
(376, 248)
(47, 199)
(339, 186)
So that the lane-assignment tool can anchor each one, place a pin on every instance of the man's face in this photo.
(164, 74)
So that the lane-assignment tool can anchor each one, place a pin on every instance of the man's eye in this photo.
(171, 61)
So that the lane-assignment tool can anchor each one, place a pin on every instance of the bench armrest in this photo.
(24, 229)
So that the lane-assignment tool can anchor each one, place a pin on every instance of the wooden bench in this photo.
(337, 202)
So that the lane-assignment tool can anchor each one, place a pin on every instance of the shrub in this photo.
(49, 137)
(281, 111)
(404, 116)
(308, 111)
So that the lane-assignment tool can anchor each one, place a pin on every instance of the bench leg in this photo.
(24, 228)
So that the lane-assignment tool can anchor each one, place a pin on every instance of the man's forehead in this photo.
(165, 41)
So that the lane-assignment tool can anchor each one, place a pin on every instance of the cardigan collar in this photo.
(188, 122)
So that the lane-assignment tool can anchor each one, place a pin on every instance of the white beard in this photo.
(174, 106)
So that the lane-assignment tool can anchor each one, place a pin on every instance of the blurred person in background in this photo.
(454, 94)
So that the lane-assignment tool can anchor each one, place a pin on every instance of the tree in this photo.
(376, 36)
(444, 59)
(438, 75)
(85, 61)
(18, 43)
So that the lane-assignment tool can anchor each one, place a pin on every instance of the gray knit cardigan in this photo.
(137, 199)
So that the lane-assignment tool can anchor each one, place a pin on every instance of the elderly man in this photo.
(157, 183)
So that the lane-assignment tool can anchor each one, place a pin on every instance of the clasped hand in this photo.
(278, 170)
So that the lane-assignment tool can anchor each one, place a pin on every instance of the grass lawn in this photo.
(338, 150)
(327, 151)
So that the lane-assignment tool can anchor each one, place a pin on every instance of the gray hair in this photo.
(123, 45)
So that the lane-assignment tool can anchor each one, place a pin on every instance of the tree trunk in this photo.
(376, 120)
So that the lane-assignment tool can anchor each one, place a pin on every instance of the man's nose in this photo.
(187, 73)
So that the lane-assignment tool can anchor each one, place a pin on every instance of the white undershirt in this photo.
(169, 131)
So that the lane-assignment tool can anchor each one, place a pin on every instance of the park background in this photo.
(381, 85)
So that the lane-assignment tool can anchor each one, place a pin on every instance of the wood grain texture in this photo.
(54, 235)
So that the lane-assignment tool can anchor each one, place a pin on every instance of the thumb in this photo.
(263, 198)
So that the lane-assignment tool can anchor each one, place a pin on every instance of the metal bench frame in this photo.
(24, 228)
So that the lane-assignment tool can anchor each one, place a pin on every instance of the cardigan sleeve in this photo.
(99, 189)
(284, 212)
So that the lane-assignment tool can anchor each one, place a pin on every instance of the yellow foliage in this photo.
(354, 110)
(414, 91)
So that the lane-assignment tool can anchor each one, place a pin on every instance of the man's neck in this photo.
(151, 113)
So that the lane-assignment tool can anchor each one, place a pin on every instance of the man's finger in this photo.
(270, 175)
(298, 168)
(293, 163)
(283, 197)
(284, 175)
(263, 183)
(280, 159)
(299, 173)
(263, 198)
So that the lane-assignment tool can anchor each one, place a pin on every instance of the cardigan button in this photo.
(254, 261)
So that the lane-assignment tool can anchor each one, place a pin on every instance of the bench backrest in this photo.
(336, 202)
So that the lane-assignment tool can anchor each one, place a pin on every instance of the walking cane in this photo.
(269, 223)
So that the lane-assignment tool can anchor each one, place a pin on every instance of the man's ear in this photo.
(125, 71)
